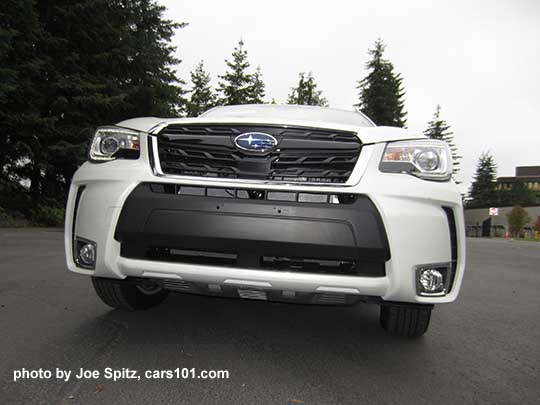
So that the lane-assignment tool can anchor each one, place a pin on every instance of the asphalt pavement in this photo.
(485, 348)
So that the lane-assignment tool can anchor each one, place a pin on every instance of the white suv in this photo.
(280, 203)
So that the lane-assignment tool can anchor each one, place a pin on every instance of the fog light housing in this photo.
(85, 253)
(432, 280)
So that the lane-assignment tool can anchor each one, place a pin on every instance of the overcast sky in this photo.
(479, 59)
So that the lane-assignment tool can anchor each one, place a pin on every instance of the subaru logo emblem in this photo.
(255, 141)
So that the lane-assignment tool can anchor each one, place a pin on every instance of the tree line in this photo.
(66, 67)
(238, 86)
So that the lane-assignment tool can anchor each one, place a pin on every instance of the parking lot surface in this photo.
(485, 348)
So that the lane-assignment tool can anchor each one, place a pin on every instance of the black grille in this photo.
(252, 194)
(302, 154)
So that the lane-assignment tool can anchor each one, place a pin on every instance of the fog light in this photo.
(85, 253)
(432, 280)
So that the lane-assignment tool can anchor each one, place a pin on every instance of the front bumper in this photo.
(283, 230)
(410, 228)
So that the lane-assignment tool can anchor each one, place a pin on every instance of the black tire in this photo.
(126, 296)
(405, 321)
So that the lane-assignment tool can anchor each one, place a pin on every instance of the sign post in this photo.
(493, 211)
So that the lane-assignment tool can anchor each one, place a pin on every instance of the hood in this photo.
(366, 134)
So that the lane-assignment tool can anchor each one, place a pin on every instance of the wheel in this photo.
(131, 297)
(405, 320)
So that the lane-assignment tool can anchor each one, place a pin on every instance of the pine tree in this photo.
(439, 129)
(483, 192)
(22, 72)
(256, 88)
(202, 96)
(381, 91)
(306, 92)
(88, 63)
(235, 85)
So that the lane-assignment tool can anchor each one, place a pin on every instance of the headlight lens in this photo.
(428, 159)
(113, 142)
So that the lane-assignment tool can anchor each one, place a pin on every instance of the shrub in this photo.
(5, 218)
(43, 215)
(517, 219)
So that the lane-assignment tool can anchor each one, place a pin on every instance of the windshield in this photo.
(290, 112)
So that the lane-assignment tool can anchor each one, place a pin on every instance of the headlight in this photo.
(113, 142)
(428, 159)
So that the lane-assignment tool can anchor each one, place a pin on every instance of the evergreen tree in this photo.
(256, 88)
(483, 192)
(306, 92)
(439, 129)
(22, 72)
(202, 96)
(72, 66)
(381, 91)
(235, 85)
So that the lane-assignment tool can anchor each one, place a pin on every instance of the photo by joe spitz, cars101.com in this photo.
(293, 204)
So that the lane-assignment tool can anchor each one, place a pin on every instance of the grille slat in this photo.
(302, 154)
(176, 285)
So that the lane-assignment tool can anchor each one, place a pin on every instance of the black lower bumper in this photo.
(254, 229)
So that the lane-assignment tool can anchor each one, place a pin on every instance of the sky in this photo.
(480, 60)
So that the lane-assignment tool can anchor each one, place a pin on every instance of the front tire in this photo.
(409, 321)
(126, 296)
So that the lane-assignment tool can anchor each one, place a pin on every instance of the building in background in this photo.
(528, 175)
(479, 222)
